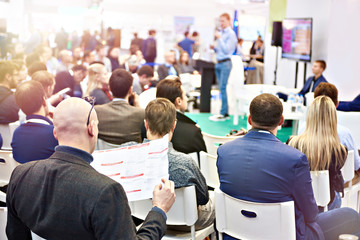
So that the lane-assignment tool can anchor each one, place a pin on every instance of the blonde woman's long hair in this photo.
(93, 71)
(320, 141)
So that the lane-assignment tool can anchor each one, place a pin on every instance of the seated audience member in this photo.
(169, 67)
(239, 50)
(350, 106)
(98, 84)
(260, 168)
(8, 108)
(312, 82)
(63, 197)
(66, 60)
(142, 79)
(113, 56)
(160, 119)
(88, 58)
(22, 72)
(344, 133)
(31, 58)
(71, 79)
(187, 136)
(47, 57)
(77, 54)
(101, 56)
(119, 122)
(34, 139)
(321, 144)
(184, 64)
(36, 66)
(47, 81)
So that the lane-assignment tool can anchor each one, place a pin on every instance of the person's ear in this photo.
(91, 128)
(130, 90)
(44, 102)
(146, 124)
(178, 101)
(174, 126)
(249, 120)
(55, 135)
(281, 120)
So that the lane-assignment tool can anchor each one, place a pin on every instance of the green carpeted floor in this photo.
(224, 127)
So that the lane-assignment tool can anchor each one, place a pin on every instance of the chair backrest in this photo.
(350, 120)
(183, 211)
(213, 142)
(7, 165)
(7, 131)
(321, 187)
(348, 170)
(250, 220)
(3, 220)
(209, 169)
(146, 97)
(102, 145)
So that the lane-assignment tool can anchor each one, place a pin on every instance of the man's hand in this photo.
(164, 196)
(217, 35)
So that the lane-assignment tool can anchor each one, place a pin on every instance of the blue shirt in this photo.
(172, 70)
(186, 44)
(33, 140)
(226, 44)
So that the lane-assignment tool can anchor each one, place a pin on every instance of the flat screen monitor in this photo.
(297, 38)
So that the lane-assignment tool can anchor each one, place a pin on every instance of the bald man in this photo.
(169, 67)
(63, 197)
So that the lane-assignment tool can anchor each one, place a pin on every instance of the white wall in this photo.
(343, 48)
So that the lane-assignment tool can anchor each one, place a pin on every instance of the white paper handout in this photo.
(138, 168)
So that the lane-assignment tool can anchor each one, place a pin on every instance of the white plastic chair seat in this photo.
(7, 165)
(183, 212)
(321, 187)
(3, 220)
(7, 131)
(256, 221)
(209, 169)
(212, 142)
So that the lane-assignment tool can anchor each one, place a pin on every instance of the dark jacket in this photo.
(187, 137)
(63, 197)
(9, 110)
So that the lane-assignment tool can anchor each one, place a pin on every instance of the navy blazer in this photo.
(307, 84)
(260, 168)
(350, 106)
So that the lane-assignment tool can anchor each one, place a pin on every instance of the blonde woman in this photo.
(98, 85)
(320, 143)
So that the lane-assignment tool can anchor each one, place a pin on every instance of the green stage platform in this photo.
(222, 128)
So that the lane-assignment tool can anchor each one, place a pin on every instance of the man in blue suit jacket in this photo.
(350, 106)
(312, 82)
(260, 168)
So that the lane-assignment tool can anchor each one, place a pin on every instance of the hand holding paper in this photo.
(164, 195)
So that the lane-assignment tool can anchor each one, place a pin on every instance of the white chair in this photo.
(348, 170)
(250, 220)
(183, 212)
(3, 220)
(209, 169)
(350, 120)
(7, 165)
(212, 142)
(102, 145)
(194, 156)
(146, 97)
(321, 187)
(36, 237)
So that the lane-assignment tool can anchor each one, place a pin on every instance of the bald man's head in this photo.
(70, 124)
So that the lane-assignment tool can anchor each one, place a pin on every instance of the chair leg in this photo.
(193, 237)
(220, 236)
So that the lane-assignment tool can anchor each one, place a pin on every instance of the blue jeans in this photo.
(339, 221)
(222, 71)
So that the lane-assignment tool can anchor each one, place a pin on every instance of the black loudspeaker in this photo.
(276, 34)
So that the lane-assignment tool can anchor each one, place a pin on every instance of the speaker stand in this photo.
(276, 65)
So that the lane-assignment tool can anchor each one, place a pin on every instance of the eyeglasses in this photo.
(91, 100)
